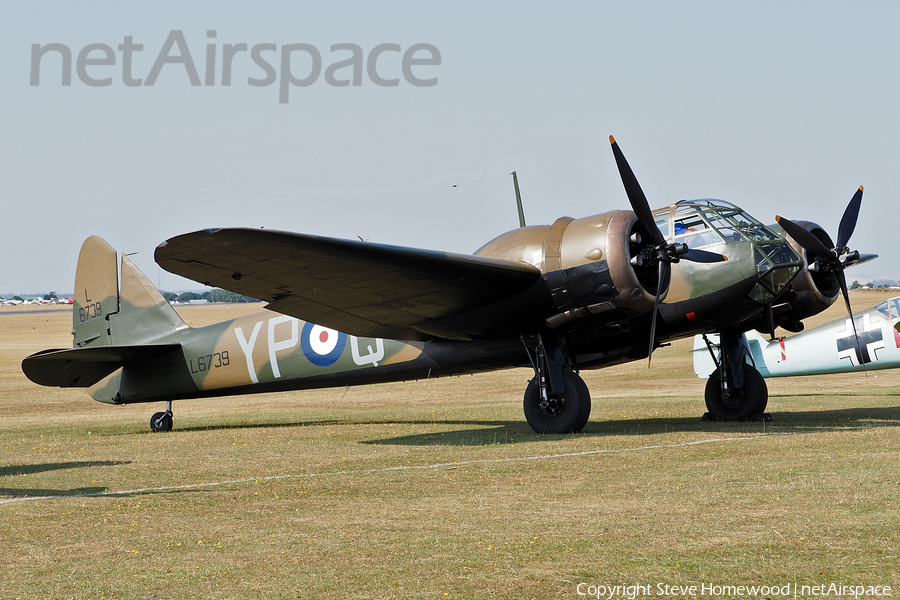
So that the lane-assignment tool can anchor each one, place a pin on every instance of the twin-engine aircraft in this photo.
(578, 294)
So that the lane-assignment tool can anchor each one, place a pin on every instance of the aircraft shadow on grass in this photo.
(8, 493)
(336, 422)
(491, 433)
(87, 492)
(17, 470)
(853, 417)
(13, 470)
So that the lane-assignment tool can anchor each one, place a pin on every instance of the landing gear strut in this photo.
(162, 421)
(735, 391)
(556, 399)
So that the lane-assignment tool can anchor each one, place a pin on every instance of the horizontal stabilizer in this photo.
(83, 367)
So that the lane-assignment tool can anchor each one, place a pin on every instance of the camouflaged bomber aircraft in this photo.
(578, 294)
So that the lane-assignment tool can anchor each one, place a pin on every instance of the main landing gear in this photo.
(162, 421)
(735, 391)
(556, 399)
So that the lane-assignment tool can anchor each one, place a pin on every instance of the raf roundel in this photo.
(322, 346)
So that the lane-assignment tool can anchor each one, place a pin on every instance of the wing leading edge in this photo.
(360, 288)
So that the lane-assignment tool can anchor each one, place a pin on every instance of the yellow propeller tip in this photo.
(860, 188)
(612, 140)
(777, 219)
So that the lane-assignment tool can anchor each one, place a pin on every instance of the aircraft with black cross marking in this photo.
(577, 294)
(828, 348)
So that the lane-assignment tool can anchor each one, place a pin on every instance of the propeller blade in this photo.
(636, 196)
(662, 269)
(702, 256)
(843, 283)
(810, 243)
(848, 221)
(838, 258)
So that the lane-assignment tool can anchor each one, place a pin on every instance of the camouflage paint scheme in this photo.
(574, 279)
(828, 348)
(265, 351)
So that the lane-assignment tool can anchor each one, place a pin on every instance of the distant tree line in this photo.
(883, 283)
(878, 283)
(210, 296)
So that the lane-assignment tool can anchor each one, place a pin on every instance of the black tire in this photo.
(764, 398)
(565, 414)
(751, 400)
(161, 421)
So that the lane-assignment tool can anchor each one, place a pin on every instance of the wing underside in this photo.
(359, 288)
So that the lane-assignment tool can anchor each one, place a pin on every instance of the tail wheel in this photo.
(737, 404)
(161, 421)
(561, 413)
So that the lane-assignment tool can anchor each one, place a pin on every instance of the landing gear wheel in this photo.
(567, 413)
(737, 404)
(161, 421)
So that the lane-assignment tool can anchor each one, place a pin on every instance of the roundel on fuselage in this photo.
(322, 346)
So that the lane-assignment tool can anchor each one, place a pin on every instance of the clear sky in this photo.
(780, 107)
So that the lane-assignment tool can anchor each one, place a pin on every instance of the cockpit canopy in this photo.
(705, 222)
(699, 223)
(890, 309)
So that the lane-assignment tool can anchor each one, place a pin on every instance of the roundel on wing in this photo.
(322, 346)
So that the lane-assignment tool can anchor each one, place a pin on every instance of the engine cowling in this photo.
(810, 292)
(587, 264)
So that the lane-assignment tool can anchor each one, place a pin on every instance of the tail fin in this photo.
(96, 293)
(144, 315)
(103, 316)
(110, 329)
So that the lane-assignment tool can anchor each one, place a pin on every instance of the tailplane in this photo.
(110, 327)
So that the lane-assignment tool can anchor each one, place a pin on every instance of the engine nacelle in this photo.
(810, 292)
(587, 264)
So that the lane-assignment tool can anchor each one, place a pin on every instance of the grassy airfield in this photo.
(439, 489)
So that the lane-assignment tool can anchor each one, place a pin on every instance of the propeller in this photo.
(832, 260)
(661, 252)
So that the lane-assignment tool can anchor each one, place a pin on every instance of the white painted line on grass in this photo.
(193, 486)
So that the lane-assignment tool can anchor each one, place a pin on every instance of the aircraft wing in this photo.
(359, 288)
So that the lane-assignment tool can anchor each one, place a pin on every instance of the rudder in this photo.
(102, 315)
(96, 294)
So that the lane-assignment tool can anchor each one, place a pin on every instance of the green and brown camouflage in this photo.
(96, 292)
(576, 294)
(270, 351)
(260, 352)
(600, 250)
